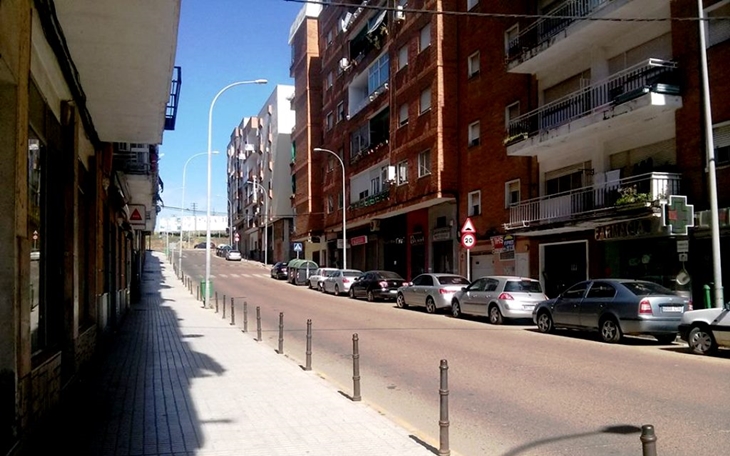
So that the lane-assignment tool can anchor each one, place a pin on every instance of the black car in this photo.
(375, 285)
(279, 271)
(222, 250)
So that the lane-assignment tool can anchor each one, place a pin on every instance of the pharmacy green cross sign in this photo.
(678, 215)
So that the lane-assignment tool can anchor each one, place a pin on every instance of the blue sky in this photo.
(221, 42)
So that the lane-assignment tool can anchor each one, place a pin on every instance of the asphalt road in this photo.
(512, 390)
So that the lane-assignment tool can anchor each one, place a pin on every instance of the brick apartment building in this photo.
(562, 139)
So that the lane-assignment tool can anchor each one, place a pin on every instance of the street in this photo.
(512, 390)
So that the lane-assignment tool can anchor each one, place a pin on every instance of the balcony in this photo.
(370, 200)
(564, 35)
(173, 100)
(599, 201)
(644, 96)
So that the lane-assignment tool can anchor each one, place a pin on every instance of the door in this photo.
(481, 266)
(599, 297)
(563, 265)
(412, 293)
(482, 300)
(470, 298)
(566, 311)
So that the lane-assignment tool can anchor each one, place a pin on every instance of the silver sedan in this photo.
(339, 281)
(432, 291)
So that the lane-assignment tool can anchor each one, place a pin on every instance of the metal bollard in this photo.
(355, 368)
(216, 302)
(308, 367)
(281, 333)
(648, 440)
(444, 417)
(224, 307)
(233, 313)
(245, 316)
(258, 323)
(197, 293)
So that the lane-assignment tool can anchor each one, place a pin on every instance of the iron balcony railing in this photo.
(172, 102)
(597, 199)
(538, 36)
(653, 75)
(372, 199)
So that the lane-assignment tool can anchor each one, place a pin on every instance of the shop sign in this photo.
(508, 243)
(630, 229)
(441, 234)
(398, 240)
(497, 243)
(418, 239)
(358, 240)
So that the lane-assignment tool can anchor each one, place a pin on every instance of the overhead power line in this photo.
(511, 15)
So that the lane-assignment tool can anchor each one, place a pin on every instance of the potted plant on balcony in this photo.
(630, 198)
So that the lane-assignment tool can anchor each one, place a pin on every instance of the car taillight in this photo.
(645, 307)
(345, 280)
(383, 284)
(505, 296)
(690, 306)
(444, 291)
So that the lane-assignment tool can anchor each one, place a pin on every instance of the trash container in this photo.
(204, 289)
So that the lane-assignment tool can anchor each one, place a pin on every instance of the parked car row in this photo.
(611, 307)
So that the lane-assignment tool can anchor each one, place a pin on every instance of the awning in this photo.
(377, 22)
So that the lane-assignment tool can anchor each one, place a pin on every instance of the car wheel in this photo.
(495, 316)
(455, 309)
(610, 330)
(309, 285)
(371, 296)
(545, 322)
(352, 293)
(430, 305)
(665, 339)
(701, 341)
(400, 301)
(320, 287)
(337, 290)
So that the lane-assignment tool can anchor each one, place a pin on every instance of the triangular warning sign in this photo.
(468, 227)
(136, 216)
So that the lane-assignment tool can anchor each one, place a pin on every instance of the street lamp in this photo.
(182, 206)
(344, 218)
(206, 293)
(266, 220)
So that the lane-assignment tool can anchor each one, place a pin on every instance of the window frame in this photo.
(474, 209)
(473, 140)
(402, 59)
(471, 71)
(424, 32)
(401, 177)
(403, 120)
(507, 193)
(507, 117)
(340, 112)
(470, 4)
(421, 109)
(424, 163)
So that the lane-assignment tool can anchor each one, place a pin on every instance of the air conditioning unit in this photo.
(344, 63)
(374, 225)
(399, 15)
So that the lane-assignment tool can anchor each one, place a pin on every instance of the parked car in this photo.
(201, 245)
(376, 285)
(615, 307)
(340, 280)
(705, 330)
(279, 271)
(221, 250)
(316, 279)
(233, 255)
(432, 291)
(498, 298)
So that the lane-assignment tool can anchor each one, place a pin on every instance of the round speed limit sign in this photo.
(468, 240)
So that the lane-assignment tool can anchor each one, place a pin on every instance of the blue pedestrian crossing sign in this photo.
(297, 246)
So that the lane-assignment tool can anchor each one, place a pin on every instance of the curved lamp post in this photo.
(206, 293)
(344, 218)
(266, 220)
(182, 205)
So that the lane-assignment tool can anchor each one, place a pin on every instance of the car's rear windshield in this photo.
(351, 273)
(524, 286)
(453, 280)
(390, 275)
(647, 288)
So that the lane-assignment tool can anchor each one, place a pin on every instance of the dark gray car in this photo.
(614, 307)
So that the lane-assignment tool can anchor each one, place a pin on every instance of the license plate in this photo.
(528, 307)
(672, 308)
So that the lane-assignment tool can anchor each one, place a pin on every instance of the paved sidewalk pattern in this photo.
(181, 381)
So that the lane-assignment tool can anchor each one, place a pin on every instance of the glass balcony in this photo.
(596, 201)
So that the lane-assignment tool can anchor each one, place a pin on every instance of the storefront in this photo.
(395, 257)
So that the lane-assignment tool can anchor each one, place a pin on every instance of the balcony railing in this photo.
(172, 102)
(370, 200)
(654, 75)
(595, 200)
(537, 37)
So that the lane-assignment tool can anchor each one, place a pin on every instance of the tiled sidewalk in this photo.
(181, 381)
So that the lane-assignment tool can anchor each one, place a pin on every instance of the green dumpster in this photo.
(203, 289)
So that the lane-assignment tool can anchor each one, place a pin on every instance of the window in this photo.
(330, 204)
(470, 4)
(721, 139)
(425, 100)
(577, 291)
(329, 121)
(511, 38)
(424, 40)
(360, 139)
(475, 203)
(402, 175)
(511, 112)
(601, 290)
(35, 230)
(473, 65)
(329, 38)
(330, 80)
(474, 134)
(375, 187)
(378, 73)
(403, 114)
(403, 57)
(511, 193)
(424, 163)
(339, 200)
(718, 30)
(340, 111)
